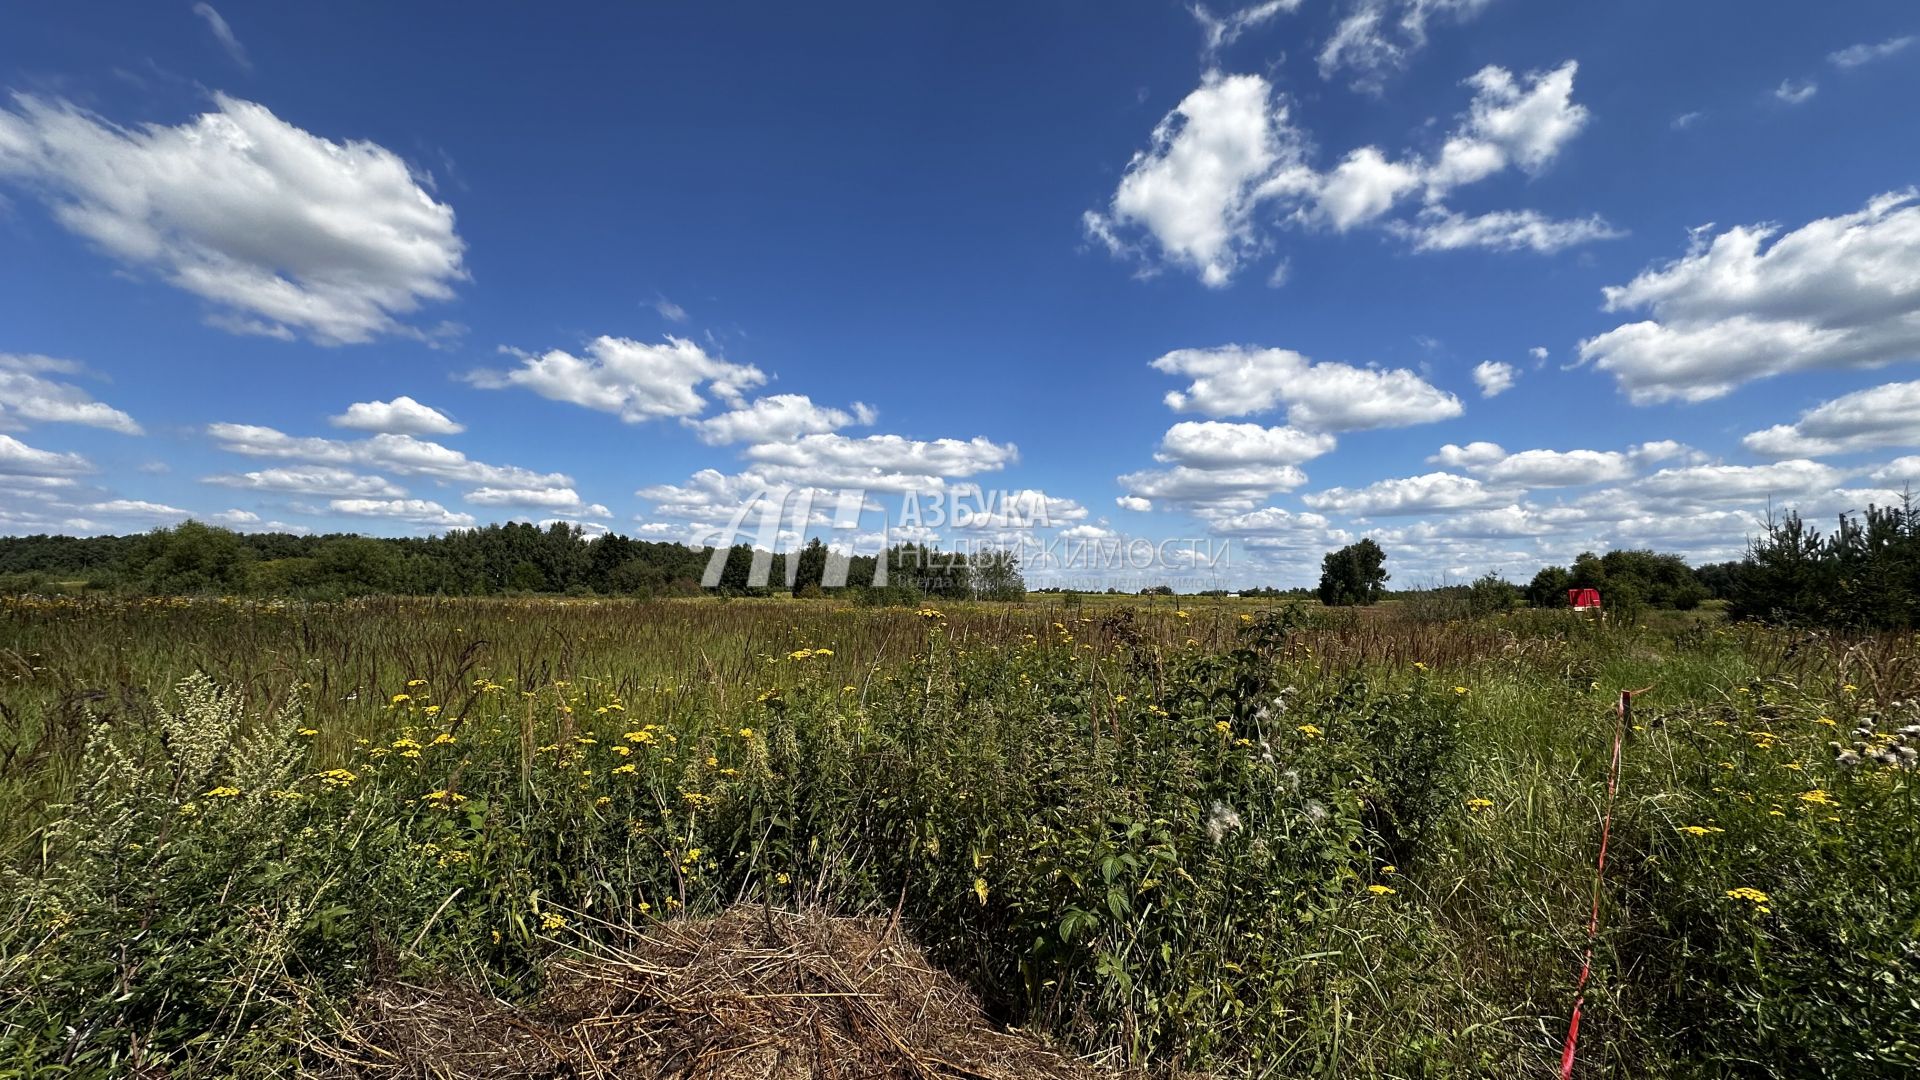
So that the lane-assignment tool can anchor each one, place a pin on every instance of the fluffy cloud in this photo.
(778, 418)
(1837, 292)
(1520, 122)
(1883, 416)
(1437, 492)
(563, 500)
(1513, 122)
(698, 511)
(1900, 472)
(401, 416)
(401, 454)
(1472, 455)
(1559, 468)
(1363, 187)
(310, 480)
(1554, 468)
(17, 457)
(1439, 229)
(279, 229)
(1494, 377)
(413, 511)
(1855, 55)
(635, 380)
(27, 395)
(1237, 488)
(1271, 521)
(1235, 380)
(1196, 187)
(1134, 503)
(1213, 444)
(1742, 483)
(1229, 148)
(1375, 38)
(880, 462)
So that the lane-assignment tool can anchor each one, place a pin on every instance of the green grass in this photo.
(1212, 833)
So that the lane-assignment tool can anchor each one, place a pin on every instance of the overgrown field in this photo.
(1240, 840)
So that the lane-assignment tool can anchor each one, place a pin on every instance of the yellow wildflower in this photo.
(1310, 731)
(1382, 890)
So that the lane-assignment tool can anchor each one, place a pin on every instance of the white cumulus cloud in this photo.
(1494, 377)
(413, 511)
(634, 380)
(310, 480)
(1213, 444)
(1878, 417)
(777, 418)
(282, 231)
(1201, 191)
(1437, 492)
(401, 416)
(1195, 189)
(17, 457)
(1835, 293)
(557, 499)
(1237, 380)
(27, 395)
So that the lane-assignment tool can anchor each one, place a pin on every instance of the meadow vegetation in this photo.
(1220, 835)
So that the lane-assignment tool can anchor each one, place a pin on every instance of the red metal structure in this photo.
(1583, 599)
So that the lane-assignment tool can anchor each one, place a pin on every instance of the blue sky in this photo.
(1233, 275)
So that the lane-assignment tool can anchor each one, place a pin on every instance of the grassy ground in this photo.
(1215, 834)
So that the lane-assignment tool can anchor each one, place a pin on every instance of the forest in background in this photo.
(1864, 574)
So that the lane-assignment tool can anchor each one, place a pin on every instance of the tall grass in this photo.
(1258, 842)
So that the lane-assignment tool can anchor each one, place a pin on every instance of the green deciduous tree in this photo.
(1355, 574)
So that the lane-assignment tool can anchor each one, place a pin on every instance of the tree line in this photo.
(195, 558)
(1863, 575)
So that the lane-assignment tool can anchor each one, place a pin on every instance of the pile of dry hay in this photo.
(753, 993)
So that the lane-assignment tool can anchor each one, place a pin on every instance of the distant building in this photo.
(1583, 599)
